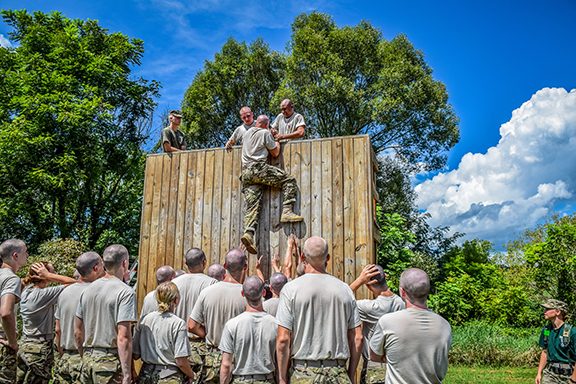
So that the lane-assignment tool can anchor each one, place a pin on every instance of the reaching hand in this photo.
(40, 270)
(368, 272)
(276, 262)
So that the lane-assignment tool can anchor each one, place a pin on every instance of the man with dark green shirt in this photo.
(558, 343)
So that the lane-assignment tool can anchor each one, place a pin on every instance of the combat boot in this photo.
(288, 216)
(248, 240)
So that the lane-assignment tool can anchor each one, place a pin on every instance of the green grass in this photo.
(486, 375)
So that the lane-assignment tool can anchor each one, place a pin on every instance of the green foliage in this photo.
(458, 374)
(350, 80)
(61, 253)
(72, 122)
(240, 75)
(483, 343)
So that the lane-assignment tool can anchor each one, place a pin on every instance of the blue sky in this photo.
(493, 56)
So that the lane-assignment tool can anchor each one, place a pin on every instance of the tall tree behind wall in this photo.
(72, 121)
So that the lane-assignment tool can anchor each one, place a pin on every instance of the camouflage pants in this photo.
(35, 360)
(211, 371)
(549, 377)
(372, 373)
(8, 362)
(150, 375)
(100, 368)
(253, 178)
(67, 368)
(197, 356)
(318, 375)
(251, 380)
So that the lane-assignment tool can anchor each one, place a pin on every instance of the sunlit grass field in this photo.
(487, 375)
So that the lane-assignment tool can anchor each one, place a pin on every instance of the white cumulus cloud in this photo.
(517, 183)
(4, 42)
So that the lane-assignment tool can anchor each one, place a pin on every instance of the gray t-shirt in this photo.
(257, 143)
(239, 133)
(288, 125)
(103, 304)
(416, 344)
(190, 285)
(271, 305)
(160, 338)
(251, 338)
(371, 311)
(175, 138)
(37, 310)
(66, 312)
(319, 309)
(149, 304)
(215, 306)
(9, 284)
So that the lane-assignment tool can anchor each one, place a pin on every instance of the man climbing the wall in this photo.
(256, 172)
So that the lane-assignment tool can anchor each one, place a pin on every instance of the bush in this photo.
(61, 253)
(482, 343)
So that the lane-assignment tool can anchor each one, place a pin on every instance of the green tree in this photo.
(240, 75)
(350, 80)
(72, 122)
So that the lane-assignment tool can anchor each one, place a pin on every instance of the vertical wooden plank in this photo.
(189, 208)
(179, 235)
(145, 227)
(349, 209)
(208, 203)
(158, 259)
(172, 210)
(226, 226)
(299, 229)
(326, 201)
(199, 199)
(236, 201)
(305, 189)
(362, 219)
(316, 188)
(216, 206)
(337, 209)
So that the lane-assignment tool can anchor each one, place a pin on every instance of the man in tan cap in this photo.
(558, 343)
(173, 139)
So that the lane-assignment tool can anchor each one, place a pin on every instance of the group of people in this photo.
(216, 327)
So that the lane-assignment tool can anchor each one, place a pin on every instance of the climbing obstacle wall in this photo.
(194, 199)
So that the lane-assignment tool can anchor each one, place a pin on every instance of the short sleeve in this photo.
(49, 295)
(166, 136)
(226, 341)
(354, 318)
(269, 141)
(198, 311)
(127, 307)
(80, 307)
(299, 121)
(378, 340)
(541, 340)
(12, 286)
(181, 346)
(398, 304)
(284, 315)
(275, 123)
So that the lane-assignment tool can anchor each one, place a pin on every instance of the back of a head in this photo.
(8, 247)
(114, 255)
(195, 258)
(86, 262)
(235, 260)
(166, 294)
(416, 283)
(315, 250)
(262, 121)
(379, 280)
(164, 273)
(217, 271)
(253, 288)
(277, 282)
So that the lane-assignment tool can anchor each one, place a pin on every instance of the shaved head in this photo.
(217, 271)
(195, 258)
(86, 262)
(235, 261)
(277, 282)
(380, 279)
(114, 255)
(252, 290)
(416, 283)
(8, 247)
(262, 121)
(316, 251)
(165, 273)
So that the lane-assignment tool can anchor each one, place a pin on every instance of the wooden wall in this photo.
(194, 199)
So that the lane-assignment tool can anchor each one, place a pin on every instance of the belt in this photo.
(71, 351)
(320, 363)
(112, 351)
(36, 338)
(563, 369)
(267, 376)
(163, 370)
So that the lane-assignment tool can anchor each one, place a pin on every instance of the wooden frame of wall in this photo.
(194, 199)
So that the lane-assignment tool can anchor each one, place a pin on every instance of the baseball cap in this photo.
(555, 304)
(176, 113)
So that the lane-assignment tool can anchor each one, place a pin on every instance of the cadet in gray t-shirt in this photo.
(248, 121)
(288, 125)
(248, 340)
(415, 341)
(163, 274)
